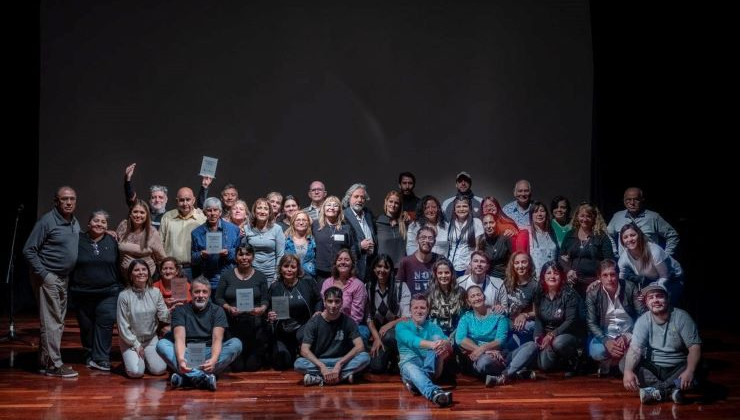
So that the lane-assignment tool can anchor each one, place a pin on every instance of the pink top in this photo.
(354, 297)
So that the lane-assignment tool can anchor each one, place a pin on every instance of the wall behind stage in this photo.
(285, 94)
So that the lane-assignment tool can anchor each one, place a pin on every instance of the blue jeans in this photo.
(356, 364)
(421, 371)
(229, 351)
(597, 350)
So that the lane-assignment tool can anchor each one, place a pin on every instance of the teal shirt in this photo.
(409, 336)
(492, 327)
(560, 231)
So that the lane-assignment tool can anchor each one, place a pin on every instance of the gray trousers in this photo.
(51, 295)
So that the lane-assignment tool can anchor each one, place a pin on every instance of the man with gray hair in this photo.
(652, 224)
(51, 252)
(157, 196)
(210, 265)
(361, 219)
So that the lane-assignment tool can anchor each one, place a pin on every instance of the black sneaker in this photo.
(442, 398)
(677, 396)
(63, 371)
(176, 380)
(211, 382)
(410, 386)
(493, 380)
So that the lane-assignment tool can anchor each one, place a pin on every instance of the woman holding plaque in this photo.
(242, 292)
(174, 287)
(303, 301)
(140, 310)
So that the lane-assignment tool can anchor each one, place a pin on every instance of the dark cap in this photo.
(653, 287)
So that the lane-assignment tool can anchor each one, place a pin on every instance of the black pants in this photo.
(96, 314)
(251, 331)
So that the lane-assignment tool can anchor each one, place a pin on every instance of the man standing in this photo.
(651, 223)
(361, 219)
(157, 196)
(51, 251)
(317, 194)
(177, 226)
(423, 349)
(332, 350)
(664, 352)
(519, 209)
(406, 184)
(463, 183)
(205, 263)
(195, 324)
(416, 269)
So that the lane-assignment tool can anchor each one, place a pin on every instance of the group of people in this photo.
(428, 288)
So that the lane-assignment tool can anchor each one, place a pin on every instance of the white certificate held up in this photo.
(214, 242)
(196, 354)
(208, 167)
(281, 306)
(245, 300)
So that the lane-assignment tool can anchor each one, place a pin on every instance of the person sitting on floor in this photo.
(423, 349)
(665, 350)
(332, 350)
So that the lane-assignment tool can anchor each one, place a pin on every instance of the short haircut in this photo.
(155, 188)
(333, 292)
(408, 175)
(99, 212)
(605, 265)
(417, 297)
(212, 202)
(202, 281)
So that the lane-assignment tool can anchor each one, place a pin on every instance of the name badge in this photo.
(339, 237)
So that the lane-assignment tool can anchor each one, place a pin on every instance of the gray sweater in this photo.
(52, 245)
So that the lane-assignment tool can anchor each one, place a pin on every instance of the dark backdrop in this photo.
(354, 92)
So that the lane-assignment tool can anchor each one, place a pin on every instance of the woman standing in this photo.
(388, 304)
(137, 239)
(140, 310)
(505, 225)
(645, 262)
(497, 247)
(290, 208)
(331, 234)
(463, 234)
(266, 238)
(248, 327)
(584, 247)
(94, 286)
(428, 213)
(560, 211)
(239, 215)
(299, 242)
(304, 302)
(543, 246)
(391, 229)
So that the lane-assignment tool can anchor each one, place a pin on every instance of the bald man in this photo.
(177, 225)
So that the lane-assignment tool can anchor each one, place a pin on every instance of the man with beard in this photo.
(665, 350)
(463, 183)
(416, 269)
(423, 349)
(361, 219)
(332, 350)
(157, 196)
(406, 184)
(198, 323)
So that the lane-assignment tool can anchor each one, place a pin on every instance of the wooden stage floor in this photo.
(25, 394)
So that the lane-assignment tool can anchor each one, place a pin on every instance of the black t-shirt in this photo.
(330, 339)
(199, 325)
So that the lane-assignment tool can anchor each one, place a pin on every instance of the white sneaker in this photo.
(309, 380)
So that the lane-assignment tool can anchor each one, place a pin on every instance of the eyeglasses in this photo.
(96, 250)
(425, 238)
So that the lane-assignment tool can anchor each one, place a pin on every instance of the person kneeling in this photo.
(332, 350)
(423, 349)
(198, 323)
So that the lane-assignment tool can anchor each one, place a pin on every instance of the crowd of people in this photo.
(428, 289)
